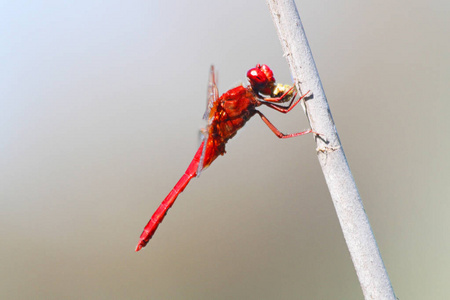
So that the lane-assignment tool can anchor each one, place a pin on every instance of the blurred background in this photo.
(100, 107)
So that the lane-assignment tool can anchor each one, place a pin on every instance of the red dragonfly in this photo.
(225, 115)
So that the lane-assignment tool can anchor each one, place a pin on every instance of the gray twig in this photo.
(355, 225)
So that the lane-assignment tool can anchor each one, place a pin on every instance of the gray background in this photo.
(100, 106)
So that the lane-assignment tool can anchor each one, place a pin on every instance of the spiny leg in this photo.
(281, 98)
(279, 133)
(277, 103)
(283, 109)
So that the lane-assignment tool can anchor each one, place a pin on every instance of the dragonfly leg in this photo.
(282, 97)
(279, 133)
(287, 109)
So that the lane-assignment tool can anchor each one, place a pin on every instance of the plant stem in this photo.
(355, 225)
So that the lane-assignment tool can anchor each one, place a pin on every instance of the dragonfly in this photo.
(225, 115)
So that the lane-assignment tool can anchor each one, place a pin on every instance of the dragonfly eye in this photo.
(268, 72)
(261, 79)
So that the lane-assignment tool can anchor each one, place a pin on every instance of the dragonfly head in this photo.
(261, 79)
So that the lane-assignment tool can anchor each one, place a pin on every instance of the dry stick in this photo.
(355, 225)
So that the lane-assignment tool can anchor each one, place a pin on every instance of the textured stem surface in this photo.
(355, 225)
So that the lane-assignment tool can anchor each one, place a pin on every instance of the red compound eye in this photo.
(261, 79)
(256, 77)
(268, 72)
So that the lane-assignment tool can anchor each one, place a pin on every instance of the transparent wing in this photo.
(212, 94)
(204, 140)
(211, 98)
